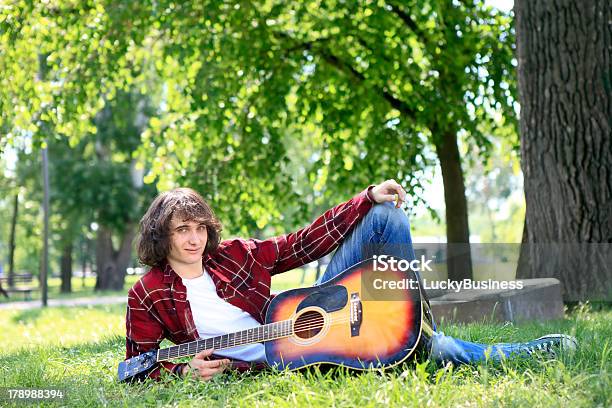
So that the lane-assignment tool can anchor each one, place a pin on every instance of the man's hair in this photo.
(187, 205)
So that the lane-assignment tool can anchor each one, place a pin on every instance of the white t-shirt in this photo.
(214, 316)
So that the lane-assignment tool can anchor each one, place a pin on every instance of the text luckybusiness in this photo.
(456, 286)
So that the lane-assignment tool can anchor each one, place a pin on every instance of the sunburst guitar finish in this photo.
(344, 322)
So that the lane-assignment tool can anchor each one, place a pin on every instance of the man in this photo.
(201, 287)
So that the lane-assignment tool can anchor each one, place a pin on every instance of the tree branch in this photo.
(405, 17)
(346, 68)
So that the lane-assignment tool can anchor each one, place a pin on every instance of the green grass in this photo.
(80, 289)
(78, 349)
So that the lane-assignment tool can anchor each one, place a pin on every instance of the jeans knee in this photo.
(385, 213)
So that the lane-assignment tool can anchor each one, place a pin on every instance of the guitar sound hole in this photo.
(308, 324)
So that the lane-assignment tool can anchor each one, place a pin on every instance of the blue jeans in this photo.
(386, 228)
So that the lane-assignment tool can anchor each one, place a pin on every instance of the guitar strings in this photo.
(313, 320)
(315, 323)
(310, 323)
(303, 326)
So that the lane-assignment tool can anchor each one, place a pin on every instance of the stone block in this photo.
(539, 299)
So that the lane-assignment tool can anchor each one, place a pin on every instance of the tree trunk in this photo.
(565, 77)
(12, 239)
(84, 253)
(459, 259)
(66, 268)
(523, 261)
(111, 265)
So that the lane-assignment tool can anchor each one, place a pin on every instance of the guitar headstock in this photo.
(137, 367)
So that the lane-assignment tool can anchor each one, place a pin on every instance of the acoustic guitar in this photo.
(353, 320)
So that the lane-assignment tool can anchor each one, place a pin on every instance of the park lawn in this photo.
(299, 277)
(80, 288)
(78, 349)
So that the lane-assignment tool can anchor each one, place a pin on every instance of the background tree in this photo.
(381, 89)
(565, 79)
(355, 77)
(111, 186)
(69, 216)
(494, 192)
(21, 179)
(9, 211)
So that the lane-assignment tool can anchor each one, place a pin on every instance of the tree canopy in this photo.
(372, 85)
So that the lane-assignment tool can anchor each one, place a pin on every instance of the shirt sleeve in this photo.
(326, 233)
(144, 332)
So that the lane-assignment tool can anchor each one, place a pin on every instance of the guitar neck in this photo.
(260, 334)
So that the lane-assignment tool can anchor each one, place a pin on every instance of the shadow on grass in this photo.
(27, 316)
(90, 348)
(30, 316)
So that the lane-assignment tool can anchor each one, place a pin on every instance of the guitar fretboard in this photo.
(258, 334)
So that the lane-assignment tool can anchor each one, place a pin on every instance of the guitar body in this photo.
(339, 323)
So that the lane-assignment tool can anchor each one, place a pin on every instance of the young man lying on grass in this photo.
(200, 287)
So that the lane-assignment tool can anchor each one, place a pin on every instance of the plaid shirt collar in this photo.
(169, 275)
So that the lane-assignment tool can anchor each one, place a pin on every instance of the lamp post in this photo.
(42, 70)
(45, 257)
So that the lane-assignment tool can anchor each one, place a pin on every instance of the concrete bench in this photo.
(539, 299)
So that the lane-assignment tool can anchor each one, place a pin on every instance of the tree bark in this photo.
(66, 268)
(523, 261)
(459, 259)
(111, 264)
(12, 239)
(565, 77)
(84, 254)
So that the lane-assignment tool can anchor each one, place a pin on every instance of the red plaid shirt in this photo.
(241, 270)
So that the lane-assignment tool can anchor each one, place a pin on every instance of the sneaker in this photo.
(551, 344)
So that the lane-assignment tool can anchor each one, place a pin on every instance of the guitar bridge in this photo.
(356, 314)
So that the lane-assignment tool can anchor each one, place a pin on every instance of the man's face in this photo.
(187, 242)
